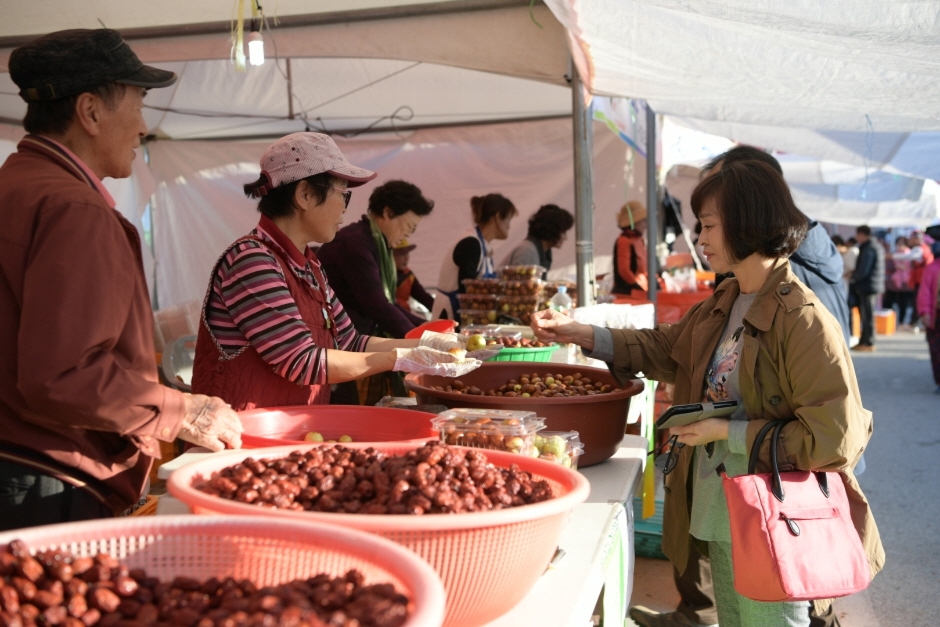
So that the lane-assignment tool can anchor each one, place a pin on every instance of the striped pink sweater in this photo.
(249, 303)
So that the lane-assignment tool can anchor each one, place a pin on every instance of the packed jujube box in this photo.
(561, 447)
(521, 273)
(477, 316)
(477, 301)
(497, 429)
(481, 286)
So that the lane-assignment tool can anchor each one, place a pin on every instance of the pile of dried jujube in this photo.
(434, 479)
(535, 385)
(55, 588)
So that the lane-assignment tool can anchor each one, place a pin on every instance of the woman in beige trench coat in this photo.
(762, 339)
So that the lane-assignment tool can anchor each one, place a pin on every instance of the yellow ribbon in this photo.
(238, 45)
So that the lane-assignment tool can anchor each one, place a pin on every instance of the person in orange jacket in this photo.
(631, 276)
(408, 284)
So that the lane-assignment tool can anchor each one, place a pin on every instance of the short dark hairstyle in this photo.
(837, 240)
(53, 117)
(400, 197)
(279, 202)
(743, 153)
(485, 208)
(863, 230)
(756, 210)
(550, 223)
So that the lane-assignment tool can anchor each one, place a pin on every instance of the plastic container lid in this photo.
(522, 272)
(499, 429)
(508, 422)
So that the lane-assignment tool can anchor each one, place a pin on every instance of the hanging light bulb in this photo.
(255, 44)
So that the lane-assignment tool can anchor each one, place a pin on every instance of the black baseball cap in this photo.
(69, 62)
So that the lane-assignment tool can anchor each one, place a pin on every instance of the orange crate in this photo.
(885, 322)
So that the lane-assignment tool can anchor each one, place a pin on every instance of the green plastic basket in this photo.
(539, 353)
(648, 534)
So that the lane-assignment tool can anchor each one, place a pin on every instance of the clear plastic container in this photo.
(520, 288)
(481, 286)
(521, 273)
(477, 316)
(561, 301)
(516, 305)
(486, 330)
(477, 301)
(562, 447)
(496, 429)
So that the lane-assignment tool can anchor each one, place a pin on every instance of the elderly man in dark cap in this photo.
(81, 408)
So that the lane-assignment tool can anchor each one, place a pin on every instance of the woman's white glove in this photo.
(210, 422)
(425, 360)
(443, 341)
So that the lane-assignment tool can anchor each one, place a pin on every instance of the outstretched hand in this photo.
(425, 360)
(552, 326)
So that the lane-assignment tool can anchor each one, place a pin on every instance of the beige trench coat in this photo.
(795, 363)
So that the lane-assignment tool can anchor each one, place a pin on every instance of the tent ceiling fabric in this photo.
(803, 63)
(341, 95)
(912, 154)
(439, 69)
(37, 17)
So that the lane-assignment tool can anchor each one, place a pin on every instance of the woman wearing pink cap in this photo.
(273, 332)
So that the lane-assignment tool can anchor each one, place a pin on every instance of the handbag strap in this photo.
(776, 486)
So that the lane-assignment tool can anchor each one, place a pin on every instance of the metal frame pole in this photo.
(583, 191)
(652, 202)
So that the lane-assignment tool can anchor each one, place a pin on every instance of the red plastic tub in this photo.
(438, 326)
(276, 426)
(488, 561)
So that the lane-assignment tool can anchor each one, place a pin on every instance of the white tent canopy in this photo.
(802, 63)
(842, 81)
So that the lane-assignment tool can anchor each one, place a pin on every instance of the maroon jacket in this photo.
(78, 378)
(351, 262)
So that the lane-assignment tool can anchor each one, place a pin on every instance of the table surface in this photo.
(568, 592)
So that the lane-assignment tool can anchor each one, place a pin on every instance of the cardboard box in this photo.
(885, 322)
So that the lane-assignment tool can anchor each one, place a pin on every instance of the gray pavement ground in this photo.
(902, 483)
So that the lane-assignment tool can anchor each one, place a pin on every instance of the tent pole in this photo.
(583, 191)
(652, 202)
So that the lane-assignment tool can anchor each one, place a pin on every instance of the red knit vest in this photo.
(246, 381)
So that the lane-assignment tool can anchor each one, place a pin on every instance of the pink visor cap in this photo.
(299, 155)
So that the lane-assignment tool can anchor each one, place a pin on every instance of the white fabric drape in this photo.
(800, 63)
(197, 214)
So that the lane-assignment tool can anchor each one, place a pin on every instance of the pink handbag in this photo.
(792, 537)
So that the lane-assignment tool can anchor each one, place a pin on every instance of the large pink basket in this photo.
(488, 561)
(266, 551)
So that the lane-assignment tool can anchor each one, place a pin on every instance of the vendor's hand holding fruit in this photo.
(427, 360)
(210, 422)
(552, 326)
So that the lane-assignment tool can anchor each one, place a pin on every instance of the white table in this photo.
(598, 545)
